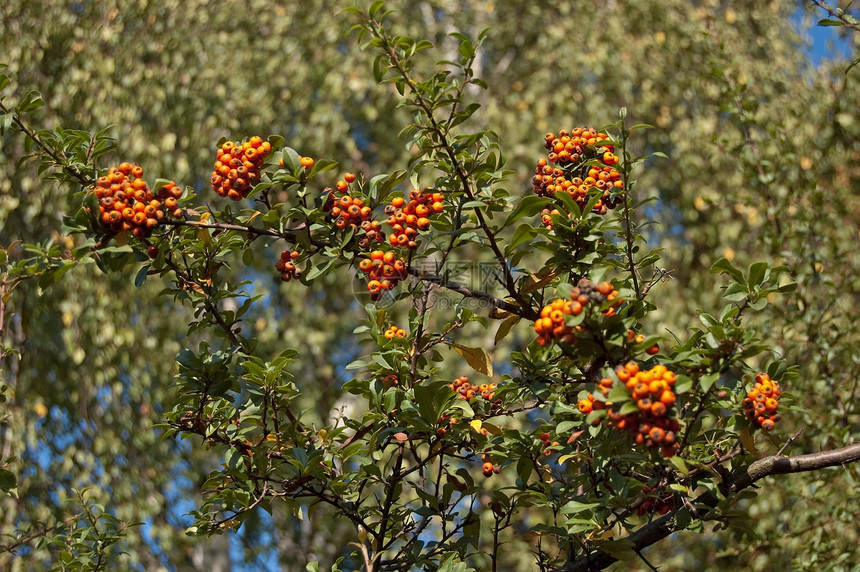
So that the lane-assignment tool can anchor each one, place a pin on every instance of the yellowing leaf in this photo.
(477, 358)
(601, 535)
(505, 328)
(534, 282)
(492, 429)
(546, 474)
(476, 425)
(565, 458)
(499, 314)
(747, 441)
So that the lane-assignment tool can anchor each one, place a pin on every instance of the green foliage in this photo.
(373, 432)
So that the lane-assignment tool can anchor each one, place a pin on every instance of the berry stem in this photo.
(443, 143)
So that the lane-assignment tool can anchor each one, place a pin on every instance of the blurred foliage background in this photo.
(763, 148)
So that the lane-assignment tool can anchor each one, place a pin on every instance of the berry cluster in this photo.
(352, 211)
(652, 392)
(761, 402)
(662, 504)
(286, 265)
(552, 322)
(237, 167)
(546, 217)
(635, 338)
(127, 204)
(489, 468)
(566, 169)
(467, 390)
(547, 443)
(571, 146)
(445, 422)
(390, 380)
(394, 332)
(407, 218)
(384, 270)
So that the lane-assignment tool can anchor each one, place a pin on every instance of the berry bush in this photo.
(603, 433)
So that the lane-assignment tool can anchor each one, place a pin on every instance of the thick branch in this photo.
(739, 480)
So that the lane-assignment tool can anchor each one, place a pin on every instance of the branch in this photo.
(55, 157)
(43, 532)
(525, 312)
(739, 480)
(254, 232)
(445, 145)
(838, 15)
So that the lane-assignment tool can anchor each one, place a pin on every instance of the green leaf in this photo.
(628, 408)
(757, 273)
(140, 278)
(375, 7)
(679, 464)
(724, 266)
(621, 549)
(524, 233)
(33, 100)
(8, 481)
(683, 384)
(707, 381)
(576, 507)
(53, 276)
(319, 269)
(528, 206)
(830, 22)
(735, 292)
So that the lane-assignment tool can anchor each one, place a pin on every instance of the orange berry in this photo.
(667, 398)
(656, 434)
(658, 409)
(349, 177)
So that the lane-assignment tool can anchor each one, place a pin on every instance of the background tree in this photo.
(761, 146)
